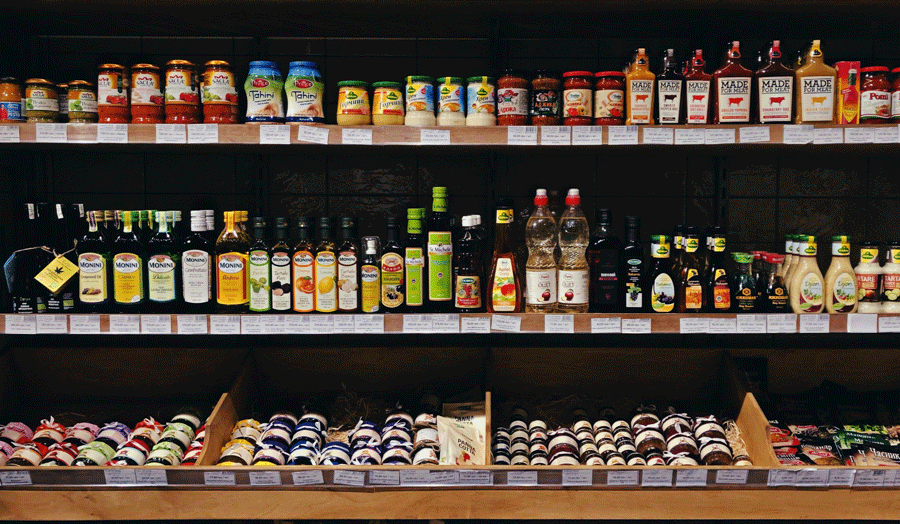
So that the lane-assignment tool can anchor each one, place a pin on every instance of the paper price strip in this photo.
(476, 478)
(218, 478)
(265, 478)
(690, 478)
(350, 478)
(119, 477)
(577, 477)
(307, 478)
(384, 478)
(522, 478)
(661, 478)
(622, 478)
(15, 478)
(150, 477)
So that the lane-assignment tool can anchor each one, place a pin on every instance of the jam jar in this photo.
(875, 96)
(546, 91)
(609, 98)
(578, 98)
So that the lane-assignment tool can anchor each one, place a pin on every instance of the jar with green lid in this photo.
(420, 101)
(41, 101)
(387, 104)
(481, 101)
(451, 101)
(353, 103)
(82, 102)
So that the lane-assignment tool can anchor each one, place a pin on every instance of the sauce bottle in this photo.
(468, 281)
(890, 296)
(840, 279)
(718, 285)
(302, 267)
(280, 260)
(414, 275)
(691, 296)
(745, 292)
(807, 285)
(93, 268)
(260, 269)
(540, 269)
(639, 91)
(670, 92)
(868, 278)
(504, 284)
(603, 258)
(392, 288)
(632, 269)
(163, 269)
(816, 83)
(325, 270)
(776, 298)
(732, 87)
(697, 91)
(773, 88)
(197, 267)
(440, 254)
(348, 268)
(370, 276)
(574, 276)
(677, 240)
(788, 255)
(128, 268)
(661, 283)
(794, 261)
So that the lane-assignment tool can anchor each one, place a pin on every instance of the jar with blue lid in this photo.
(263, 88)
(305, 90)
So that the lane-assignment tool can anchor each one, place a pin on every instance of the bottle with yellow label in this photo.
(815, 88)
(639, 91)
(807, 285)
(325, 270)
(128, 268)
(840, 279)
(718, 286)
(370, 276)
(691, 296)
(302, 267)
(505, 285)
(232, 271)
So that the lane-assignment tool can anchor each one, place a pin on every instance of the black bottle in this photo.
(94, 269)
(632, 271)
(392, 266)
(603, 257)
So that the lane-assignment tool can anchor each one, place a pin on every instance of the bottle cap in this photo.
(438, 192)
(467, 221)
(415, 213)
(325, 222)
(348, 222)
(305, 223)
(604, 216)
(741, 258)
(259, 222)
(840, 238)
(505, 203)
(281, 222)
(632, 222)
(774, 258)
(573, 198)
(540, 197)
(391, 222)
(371, 244)
(477, 219)
(198, 214)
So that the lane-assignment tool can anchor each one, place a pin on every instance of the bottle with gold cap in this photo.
(128, 267)
(232, 281)
(815, 90)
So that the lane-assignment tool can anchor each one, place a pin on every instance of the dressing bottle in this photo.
(807, 285)
(868, 278)
(840, 279)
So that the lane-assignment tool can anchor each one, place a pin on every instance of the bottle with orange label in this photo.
(731, 84)
(718, 285)
(302, 268)
(325, 270)
(639, 91)
(814, 95)
(232, 261)
(691, 298)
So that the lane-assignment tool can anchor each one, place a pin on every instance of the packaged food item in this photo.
(41, 101)
(609, 98)
(387, 104)
(895, 95)
(353, 103)
(578, 98)
(481, 101)
(451, 94)
(182, 93)
(305, 91)
(546, 95)
(263, 89)
(459, 443)
(147, 101)
(11, 109)
(62, 95)
(218, 93)
(420, 101)
(512, 99)
(848, 92)
(875, 96)
(82, 102)
(112, 95)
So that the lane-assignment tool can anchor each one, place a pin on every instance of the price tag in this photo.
(475, 325)
(797, 134)
(315, 135)
(125, 324)
(866, 478)
(841, 477)
(272, 324)
(322, 324)
(521, 135)
(751, 323)
(384, 478)
(307, 478)
(559, 323)
(274, 134)
(344, 324)
(587, 136)
(862, 323)
(690, 137)
(444, 477)
(350, 478)
(887, 135)
(265, 478)
(251, 325)
(556, 135)
(622, 478)
(9, 134)
(297, 324)
(636, 326)
(356, 137)
(751, 135)
(622, 135)
(15, 478)
(657, 478)
(812, 478)
(506, 323)
(434, 137)
(170, 134)
(445, 323)
(22, 324)
(690, 478)
(886, 324)
(694, 325)
(415, 476)
(156, 324)
(150, 477)
(577, 477)
(720, 136)
(658, 135)
(84, 324)
(218, 478)
(606, 325)
(119, 477)
(892, 478)
(369, 324)
(730, 476)
(476, 478)
(417, 324)
(781, 478)
(781, 323)
(722, 325)
(859, 135)
(52, 324)
(224, 325)
(203, 133)
(191, 324)
(112, 133)
(522, 478)
(51, 133)
(815, 323)
(828, 135)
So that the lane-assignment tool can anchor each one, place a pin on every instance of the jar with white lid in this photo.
(890, 283)
(451, 95)
(868, 278)
(420, 101)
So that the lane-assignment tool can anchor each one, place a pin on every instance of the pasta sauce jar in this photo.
(609, 98)
(182, 97)
(112, 95)
(895, 95)
(41, 102)
(11, 109)
(545, 95)
(82, 102)
(219, 94)
(146, 96)
(512, 99)
(875, 96)
(578, 98)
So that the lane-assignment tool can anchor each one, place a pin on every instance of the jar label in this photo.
(41, 99)
(545, 102)
(92, 278)
(111, 90)
(231, 279)
(869, 287)
(811, 293)
(468, 292)
(128, 280)
(450, 98)
(181, 88)
(722, 292)
(371, 288)
(540, 286)
(776, 96)
(419, 97)
(260, 275)
(326, 280)
(145, 89)
(891, 287)
(669, 100)
(281, 281)
(392, 280)
(387, 101)
(734, 99)
(573, 286)
(440, 256)
(414, 272)
(895, 104)
(218, 88)
(641, 101)
(609, 103)
(304, 98)
(86, 102)
(303, 282)
(161, 278)
(817, 98)
(697, 92)
(512, 101)
(503, 286)
(663, 293)
(348, 296)
(577, 102)
(195, 276)
(480, 98)
(844, 293)
(11, 110)
(875, 105)
(353, 101)
(63, 102)
(263, 98)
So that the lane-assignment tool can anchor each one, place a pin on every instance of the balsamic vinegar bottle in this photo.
(163, 269)
(197, 268)
(632, 292)
(603, 256)
(260, 269)
(280, 259)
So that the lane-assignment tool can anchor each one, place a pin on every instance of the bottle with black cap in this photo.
(280, 258)
(302, 267)
(94, 268)
(197, 267)
(325, 270)
(260, 269)
(603, 258)
(393, 289)
(632, 267)
(691, 292)
(348, 268)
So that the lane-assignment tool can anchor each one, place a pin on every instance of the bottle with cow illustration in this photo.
(773, 86)
(639, 83)
(669, 91)
(731, 84)
(697, 94)
(816, 82)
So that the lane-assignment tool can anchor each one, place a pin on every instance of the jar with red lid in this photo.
(895, 95)
(546, 91)
(512, 99)
(609, 98)
(875, 96)
(182, 95)
(578, 97)
(112, 95)
(146, 95)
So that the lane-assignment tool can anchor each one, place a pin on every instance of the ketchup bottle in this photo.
(732, 88)
(697, 90)
(773, 89)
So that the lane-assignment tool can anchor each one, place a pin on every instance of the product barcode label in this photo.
(622, 478)
(720, 136)
(622, 135)
(112, 133)
(812, 478)
(224, 325)
(191, 324)
(307, 478)
(274, 134)
(445, 323)
(150, 477)
(125, 324)
(369, 324)
(21, 324)
(690, 137)
(587, 135)
(522, 136)
(797, 134)
(556, 135)
(606, 325)
(815, 323)
(781, 323)
(156, 324)
(636, 326)
(9, 134)
(559, 323)
(729, 476)
(522, 478)
(658, 135)
(690, 478)
(657, 478)
(475, 324)
(384, 478)
(417, 324)
(51, 133)
(828, 135)
(265, 478)
(203, 133)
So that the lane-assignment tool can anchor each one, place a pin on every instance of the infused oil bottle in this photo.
(326, 269)
(348, 268)
(370, 276)
(163, 269)
(260, 269)
(660, 281)
(302, 267)
(232, 259)
(197, 265)
(504, 284)
(415, 274)
(128, 268)
(280, 260)
(93, 268)
(392, 270)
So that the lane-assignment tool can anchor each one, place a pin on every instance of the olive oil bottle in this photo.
(260, 269)
(370, 276)
(197, 273)
(392, 266)
(415, 277)
(660, 281)
(163, 268)
(232, 259)
(326, 270)
(128, 268)
(348, 268)
(280, 259)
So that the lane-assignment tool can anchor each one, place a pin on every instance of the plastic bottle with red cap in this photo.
(540, 270)
(574, 277)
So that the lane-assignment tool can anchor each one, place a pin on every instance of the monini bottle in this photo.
(94, 269)
(128, 269)
(197, 273)
(302, 267)
(163, 271)
(280, 260)
(260, 269)
(232, 259)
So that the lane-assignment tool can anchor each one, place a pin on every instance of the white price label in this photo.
(125, 324)
(15, 478)
(720, 136)
(224, 325)
(841, 477)
(862, 323)
(859, 135)
(415, 476)
(828, 135)
(297, 324)
(51, 133)
(810, 478)
(445, 323)
(476, 478)
(434, 137)
(622, 135)
(203, 133)
(272, 324)
(417, 324)
(150, 477)
(322, 324)
(577, 477)
(22, 324)
(274, 134)
(9, 134)
(636, 326)
(344, 324)
(522, 136)
(815, 323)
(587, 135)
(52, 324)
(889, 324)
(690, 478)
(112, 133)
(749, 324)
(191, 324)
(265, 478)
(522, 478)
(887, 135)
(657, 478)
(732, 476)
(693, 325)
(556, 135)
(307, 478)
(350, 478)
(606, 325)
(384, 477)
(369, 324)
(892, 478)
(475, 325)
(444, 478)
(171, 134)
(251, 325)
(720, 325)
(315, 135)
(506, 323)
(356, 137)
(781, 323)
(218, 478)
(659, 135)
(84, 324)
(156, 324)
(797, 134)
(559, 323)
(622, 478)
(119, 477)
(868, 478)
(690, 137)
(781, 478)
(752, 135)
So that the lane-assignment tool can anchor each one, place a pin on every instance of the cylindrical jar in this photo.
(62, 94)
(451, 94)
(546, 92)
(182, 95)
(112, 95)
(388, 109)
(263, 89)
(353, 103)
(895, 95)
(82, 102)
(419, 101)
(218, 93)
(512, 99)
(875, 96)
(890, 280)
(481, 101)
(147, 101)
(578, 97)
(11, 109)
(609, 98)
(41, 102)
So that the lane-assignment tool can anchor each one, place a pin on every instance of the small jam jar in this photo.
(895, 95)
(112, 95)
(578, 96)
(875, 96)
(512, 99)
(609, 98)
(546, 90)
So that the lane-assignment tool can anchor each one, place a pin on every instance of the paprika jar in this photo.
(182, 96)
(218, 94)
(875, 96)
(609, 98)
(112, 95)
(353, 103)
(512, 99)
(146, 96)
(545, 95)
(62, 97)
(578, 98)
(41, 102)
(895, 95)
(82, 102)
(11, 109)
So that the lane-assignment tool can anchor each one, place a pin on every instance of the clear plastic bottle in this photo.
(540, 270)
(573, 276)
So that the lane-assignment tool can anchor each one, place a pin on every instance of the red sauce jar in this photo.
(875, 96)
(609, 98)
(112, 95)
(146, 95)
(578, 97)
(895, 95)
(512, 99)
(182, 95)
(219, 94)
(546, 91)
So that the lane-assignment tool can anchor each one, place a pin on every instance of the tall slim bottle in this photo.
(632, 271)
(260, 269)
(163, 269)
(326, 269)
(128, 269)
(94, 269)
(660, 283)
(468, 275)
(574, 275)
(280, 259)
(504, 283)
(691, 296)
(541, 235)
(415, 275)
(393, 290)
(603, 258)
(348, 268)
(669, 92)
(197, 268)
(62, 242)
(718, 282)
(370, 276)
(440, 254)
(232, 272)
(302, 267)
(732, 88)
(815, 92)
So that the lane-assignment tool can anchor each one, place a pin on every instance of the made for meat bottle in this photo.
(815, 90)
(670, 92)
(697, 91)
(731, 83)
(773, 89)
(639, 91)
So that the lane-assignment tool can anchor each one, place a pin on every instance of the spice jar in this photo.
(387, 104)
(182, 97)
(451, 101)
(41, 103)
(218, 94)
(353, 103)
(263, 88)
(875, 96)
(82, 102)
(578, 98)
(62, 97)
(146, 96)
(305, 92)
(419, 101)
(545, 95)
(481, 103)
(895, 95)
(11, 109)
(609, 98)
(112, 95)
(512, 99)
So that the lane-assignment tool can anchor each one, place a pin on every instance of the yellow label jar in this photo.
(387, 104)
(353, 103)
(451, 101)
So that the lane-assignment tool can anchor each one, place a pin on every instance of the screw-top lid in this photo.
(259, 222)
(312, 65)
(504, 203)
(617, 74)
(415, 213)
(395, 85)
(325, 222)
(480, 79)
(840, 238)
(468, 221)
(438, 192)
(774, 258)
(281, 222)
(348, 222)
(371, 245)
(569, 74)
(353, 83)
(540, 197)
(604, 216)
(632, 222)
(419, 78)
(742, 258)
(573, 198)
(198, 214)
(305, 223)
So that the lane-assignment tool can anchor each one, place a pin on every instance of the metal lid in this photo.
(874, 69)
(568, 74)
(41, 81)
(180, 63)
(145, 66)
(419, 78)
(81, 84)
(111, 66)
(312, 65)
(618, 74)
(220, 63)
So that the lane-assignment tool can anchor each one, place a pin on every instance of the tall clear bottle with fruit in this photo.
(574, 277)
(540, 270)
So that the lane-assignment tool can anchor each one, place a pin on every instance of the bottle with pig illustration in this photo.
(504, 283)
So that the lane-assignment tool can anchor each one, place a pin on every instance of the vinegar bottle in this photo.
(691, 298)
(504, 284)
(573, 267)
(840, 279)
(603, 258)
(540, 270)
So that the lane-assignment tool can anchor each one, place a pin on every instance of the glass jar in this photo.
(62, 97)
(305, 91)
(419, 101)
(609, 98)
(41, 102)
(353, 103)
(481, 101)
(147, 101)
(875, 96)
(112, 95)
(82, 102)
(895, 95)
(578, 96)
(451, 101)
(387, 104)
(11, 100)
(545, 96)
(218, 94)
(263, 88)
(182, 95)
(512, 99)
